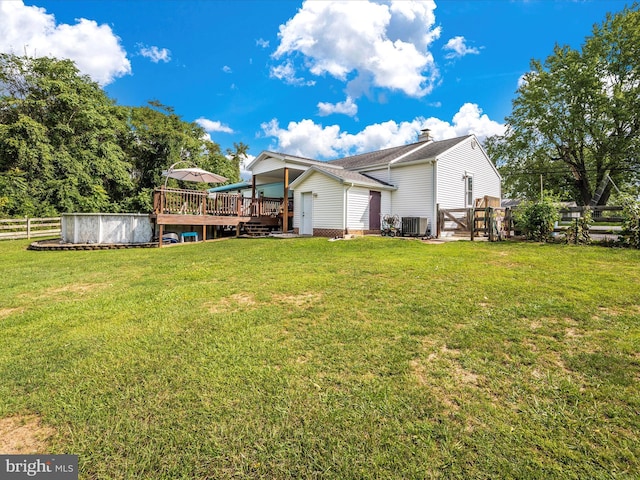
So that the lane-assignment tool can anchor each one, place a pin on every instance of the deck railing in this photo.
(191, 202)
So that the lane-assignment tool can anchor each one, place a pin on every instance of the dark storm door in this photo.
(374, 210)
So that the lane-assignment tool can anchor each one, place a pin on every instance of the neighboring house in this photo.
(350, 195)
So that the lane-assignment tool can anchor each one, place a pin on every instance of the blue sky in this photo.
(319, 79)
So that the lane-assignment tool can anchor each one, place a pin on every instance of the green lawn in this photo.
(303, 358)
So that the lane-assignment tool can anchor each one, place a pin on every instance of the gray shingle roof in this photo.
(423, 151)
(351, 176)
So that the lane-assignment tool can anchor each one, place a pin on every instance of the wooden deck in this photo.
(197, 208)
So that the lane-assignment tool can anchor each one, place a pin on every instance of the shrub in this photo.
(536, 219)
(630, 235)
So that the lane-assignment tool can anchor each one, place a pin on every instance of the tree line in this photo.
(65, 146)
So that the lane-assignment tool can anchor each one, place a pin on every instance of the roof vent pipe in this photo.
(425, 135)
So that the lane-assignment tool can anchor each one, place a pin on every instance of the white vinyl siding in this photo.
(357, 208)
(328, 206)
(385, 202)
(381, 174)
(414, 196)
(267, 165)
(455, 166)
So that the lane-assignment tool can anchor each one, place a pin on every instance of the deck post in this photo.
(490, 216)
(471, 221)
(285, 207)
(253, 196)
(160, 235)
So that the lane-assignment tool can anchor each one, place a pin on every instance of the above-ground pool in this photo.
(106, 228)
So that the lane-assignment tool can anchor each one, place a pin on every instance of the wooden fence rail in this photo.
(17, 228)
(568, 214)
(605, 219)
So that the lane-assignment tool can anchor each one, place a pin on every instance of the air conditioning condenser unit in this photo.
(415, 226)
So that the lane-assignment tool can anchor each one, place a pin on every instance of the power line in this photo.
(562, 172)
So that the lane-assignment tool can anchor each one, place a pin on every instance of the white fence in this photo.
(15, 228)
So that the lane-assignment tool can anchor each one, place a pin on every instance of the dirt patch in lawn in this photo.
(233, 302)
(22, 435)
(444, 363)
(5, 312)
(616, 311)
(70, 291)
(74, 288)
(302, 300)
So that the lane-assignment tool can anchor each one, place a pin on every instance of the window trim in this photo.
(468, 189)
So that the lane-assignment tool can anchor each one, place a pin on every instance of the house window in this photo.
(469, 190)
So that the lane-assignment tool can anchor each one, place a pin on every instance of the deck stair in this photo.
(257, 229)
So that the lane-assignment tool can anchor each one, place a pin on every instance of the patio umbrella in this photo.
(193, 174)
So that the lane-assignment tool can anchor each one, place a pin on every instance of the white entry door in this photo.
(306, 216)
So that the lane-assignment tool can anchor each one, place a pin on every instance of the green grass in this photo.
(303, 358)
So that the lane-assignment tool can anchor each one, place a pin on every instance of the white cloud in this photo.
(304, 138)
(287, 73)
(470, 119)
(94, 48)
(262, 43)
(380, 136)
(458, 48)
(227, 69)
(311, 140)
(245, 174)
(213, 125)
(156, 54)
(348, 107)
(365, 43)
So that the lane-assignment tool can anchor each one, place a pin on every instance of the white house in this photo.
(349, 195)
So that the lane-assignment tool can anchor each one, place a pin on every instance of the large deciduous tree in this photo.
(576, 118)
(60, 138)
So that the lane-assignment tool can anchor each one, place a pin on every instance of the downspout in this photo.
(390, 193)
(346, 210)
(434, 179)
